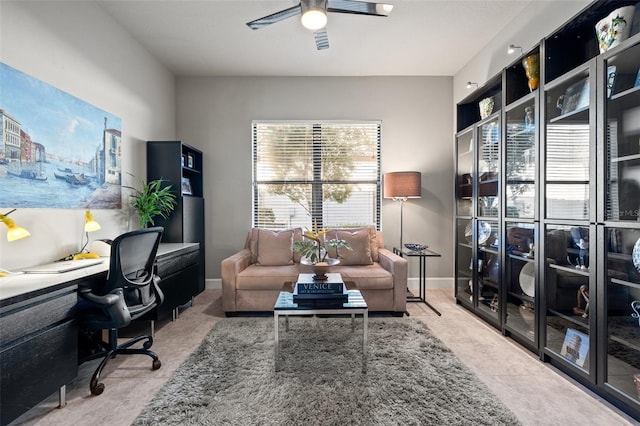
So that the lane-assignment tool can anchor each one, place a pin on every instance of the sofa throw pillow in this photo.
(274, 247)
(360, 243)
(373, 240)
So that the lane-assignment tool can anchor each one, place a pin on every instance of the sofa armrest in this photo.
(398, 268)
(231, 267)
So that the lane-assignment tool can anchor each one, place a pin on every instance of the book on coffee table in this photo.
(329, 291)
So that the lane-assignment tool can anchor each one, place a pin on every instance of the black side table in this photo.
(422, 255)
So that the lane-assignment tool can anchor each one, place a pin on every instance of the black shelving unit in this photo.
(181, 166)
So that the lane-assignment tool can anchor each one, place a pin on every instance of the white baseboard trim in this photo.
(213, 283)
(413, 283)
(438, 282)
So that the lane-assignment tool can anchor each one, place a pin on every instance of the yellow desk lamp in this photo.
(90, 225)
(14, 232)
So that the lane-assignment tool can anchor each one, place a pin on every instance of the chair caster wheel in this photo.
(147, 344)
(96, 388)
(156, 364)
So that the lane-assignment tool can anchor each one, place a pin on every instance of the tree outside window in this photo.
(327, 172)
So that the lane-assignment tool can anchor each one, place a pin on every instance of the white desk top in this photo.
(20, 283)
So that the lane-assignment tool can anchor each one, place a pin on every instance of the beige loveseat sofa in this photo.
(253, 277)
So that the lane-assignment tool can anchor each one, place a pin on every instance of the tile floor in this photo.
(534, 391)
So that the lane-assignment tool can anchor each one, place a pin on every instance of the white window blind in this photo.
(316, 171)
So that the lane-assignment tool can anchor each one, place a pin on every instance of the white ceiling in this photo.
(210, 38)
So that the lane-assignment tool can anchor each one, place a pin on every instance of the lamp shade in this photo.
(402, 185)
(14, 232)
(90, 224)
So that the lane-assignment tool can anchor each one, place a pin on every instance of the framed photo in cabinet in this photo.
(186, 186)
(190, 161)
(575, 347)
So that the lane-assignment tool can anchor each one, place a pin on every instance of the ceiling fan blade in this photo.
(274, 17)
(359, 7)
(322, 39)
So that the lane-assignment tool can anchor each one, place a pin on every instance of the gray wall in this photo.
(538, 20)
(76, 47)
(215, 114)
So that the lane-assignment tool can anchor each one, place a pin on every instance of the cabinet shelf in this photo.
(191, 170)
(464, 274)
(582, 272)
(488, 283)
(574, 319)
(522, 297)
(633, 92)
(626, 343)
(516, 255)
(488, 250)
(625, 283)
(580, 114)
(626, 158)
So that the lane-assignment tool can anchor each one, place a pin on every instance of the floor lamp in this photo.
(401, 186)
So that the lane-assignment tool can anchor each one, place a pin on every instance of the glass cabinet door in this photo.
(568, 133)
(622, 135)
(464, 179)
(567, 281)
(623, 311)
(520, 279)
(464, 260)
(489, 271)
(520, 168)
(489, 168)
(621, 130)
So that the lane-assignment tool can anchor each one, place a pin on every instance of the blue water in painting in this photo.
(52, 193)
(67, 131)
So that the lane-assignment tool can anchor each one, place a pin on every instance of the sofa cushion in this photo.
(373, 241)
(258, 277)
(272, 248)
(366, 277)
(360, 243)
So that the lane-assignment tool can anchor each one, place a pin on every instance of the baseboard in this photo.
(213, 283)
(413, 283)
(437, 282)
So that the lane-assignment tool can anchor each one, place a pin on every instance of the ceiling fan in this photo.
(314, 15)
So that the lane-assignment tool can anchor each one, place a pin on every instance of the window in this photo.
(326, 173)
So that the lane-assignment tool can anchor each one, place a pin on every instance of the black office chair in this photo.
(130, 291)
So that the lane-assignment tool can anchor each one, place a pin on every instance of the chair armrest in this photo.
(230, 268)
(398, 268)
(105, 301)
(155, 284)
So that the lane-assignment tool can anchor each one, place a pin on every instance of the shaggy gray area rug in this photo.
(412, 378)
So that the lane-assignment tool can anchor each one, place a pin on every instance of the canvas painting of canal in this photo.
(56, 151)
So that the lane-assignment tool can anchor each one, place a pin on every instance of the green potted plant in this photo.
(152, 200)
(314, 249)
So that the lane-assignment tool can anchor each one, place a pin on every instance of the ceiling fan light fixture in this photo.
(314, 19)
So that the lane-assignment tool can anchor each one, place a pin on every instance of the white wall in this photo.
(76, 47)
(215, 114)
(538, 20)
